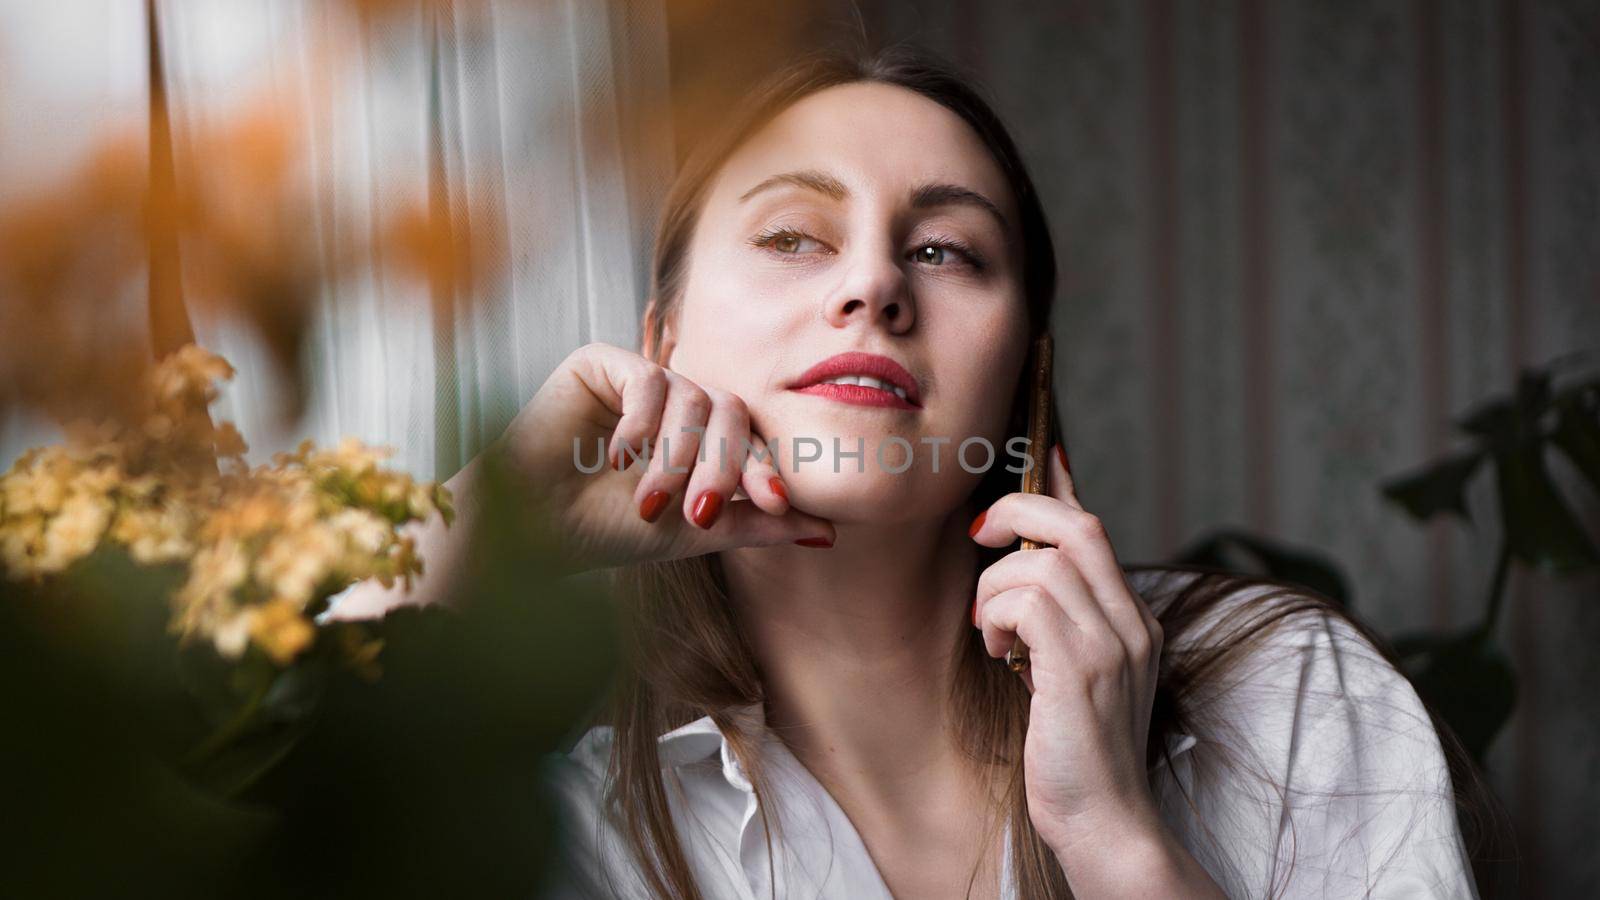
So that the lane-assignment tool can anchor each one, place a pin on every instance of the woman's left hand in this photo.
(1093, 647)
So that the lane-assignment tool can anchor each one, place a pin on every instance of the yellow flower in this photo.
(351, 456)
(366, 533)
(294, 563)
(100, 479)
(39, 482)
(280, 630)
(232, 636)
(191, 370)
(164, 482)
(215, 573)
(74, 532)
(155, 534)
(20, 539)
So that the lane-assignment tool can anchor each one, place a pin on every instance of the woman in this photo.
(813, 703)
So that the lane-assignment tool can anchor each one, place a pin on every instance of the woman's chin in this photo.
(849, 496)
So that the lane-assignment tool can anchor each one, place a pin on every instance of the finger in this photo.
(605, 371)
(1058, 481)
(1027, 611)
(1054, 572)
(683, 420)
(743, 524)
(1050, 520)
(1091, 646)
(1061, 520)
(720, 460)
(643, 388)
(760, 480)
(1109, 598)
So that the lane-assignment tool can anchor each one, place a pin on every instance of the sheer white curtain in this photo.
(542, 116)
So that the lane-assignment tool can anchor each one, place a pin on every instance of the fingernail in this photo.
(821, 542)
(776, 484)
(706, 509)
(653, 504)
(977, 524)
(1061, 453)
(616, 462)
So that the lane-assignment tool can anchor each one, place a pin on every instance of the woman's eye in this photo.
(789, 243)
(946, 253)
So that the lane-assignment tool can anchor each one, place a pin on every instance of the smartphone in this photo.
(1042, 432)
(1042, 426)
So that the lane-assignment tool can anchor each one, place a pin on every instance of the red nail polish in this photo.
(776, 484)
(650, 509)
(616, 462)
(706, 509)
(821, 542)
(977, 524)
(1061, 453)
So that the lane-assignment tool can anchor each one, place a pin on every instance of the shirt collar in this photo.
(701, 739)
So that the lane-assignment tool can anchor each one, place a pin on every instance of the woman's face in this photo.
(864, 219)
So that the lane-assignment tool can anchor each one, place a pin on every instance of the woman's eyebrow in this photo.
(924, 197)
(930, 195)
(811, 179)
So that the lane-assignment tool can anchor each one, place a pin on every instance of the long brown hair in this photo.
(685, 653)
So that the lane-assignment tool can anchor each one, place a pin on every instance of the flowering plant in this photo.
(261, 550)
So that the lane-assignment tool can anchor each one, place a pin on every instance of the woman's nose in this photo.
(875, 292)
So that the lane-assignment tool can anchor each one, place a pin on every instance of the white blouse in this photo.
(1339, 789)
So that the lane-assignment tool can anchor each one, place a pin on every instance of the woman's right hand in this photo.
(640, 508)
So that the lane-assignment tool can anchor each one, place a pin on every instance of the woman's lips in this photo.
(856, 394)
(863, 379)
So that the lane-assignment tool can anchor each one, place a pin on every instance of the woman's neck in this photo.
(856, 649)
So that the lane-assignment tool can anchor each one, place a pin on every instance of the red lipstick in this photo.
(862, 379)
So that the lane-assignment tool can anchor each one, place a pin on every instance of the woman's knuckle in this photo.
(733, 403)
(1138, 647)
(1089, 525)
(579, 358)
(695, 400)
(1057, 561)
(651, 375)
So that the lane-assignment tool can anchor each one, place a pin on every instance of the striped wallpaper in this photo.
(1297, 237)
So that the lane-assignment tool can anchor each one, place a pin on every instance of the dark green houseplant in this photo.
(1463, 674)
(1553, 410)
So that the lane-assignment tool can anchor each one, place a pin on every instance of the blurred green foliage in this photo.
(136, 767)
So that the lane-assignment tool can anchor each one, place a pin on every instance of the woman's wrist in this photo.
(1131, 854)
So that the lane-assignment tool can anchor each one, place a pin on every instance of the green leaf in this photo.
(260, 727)
(1439, 488)
(1541, 530)
(1506, 423)
(1239, 551)
(1577, 430)
(1466, 679)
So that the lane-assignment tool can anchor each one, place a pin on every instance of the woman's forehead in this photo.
(874, 139)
